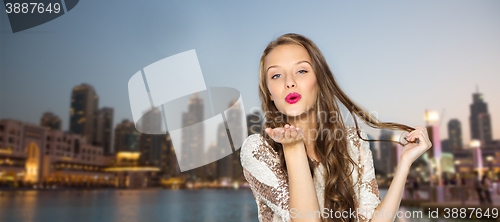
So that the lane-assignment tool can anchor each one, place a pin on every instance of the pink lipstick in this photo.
(293, 98)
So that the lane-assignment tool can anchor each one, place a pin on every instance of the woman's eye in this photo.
(274, 76)
(304, 71)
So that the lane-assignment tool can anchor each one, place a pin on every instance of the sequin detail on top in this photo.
(269, 182)
(259, 160)
(280, 195)
(367, 189)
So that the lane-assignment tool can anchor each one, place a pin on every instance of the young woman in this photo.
(307, 165)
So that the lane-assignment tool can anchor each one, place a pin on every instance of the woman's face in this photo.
(291, 79)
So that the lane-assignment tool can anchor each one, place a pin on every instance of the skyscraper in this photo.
(151, 144)
(235, 119)
(169, 164)
(455, 134)
(50, 121)
(126, 137)
(192, 138)
(480, 121)
(84, 102)
(103, 129)
(386, 152)
(225, 166)
(254, 123)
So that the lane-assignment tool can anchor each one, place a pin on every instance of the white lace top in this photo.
(269, 182)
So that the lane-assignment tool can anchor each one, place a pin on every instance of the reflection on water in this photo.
(139, 205)
(128, 205)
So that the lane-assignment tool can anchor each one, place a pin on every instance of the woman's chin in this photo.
(294, 113)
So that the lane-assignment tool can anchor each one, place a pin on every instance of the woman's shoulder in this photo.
(260, 160)
(256, 146)
(354, 139)
(358, 149)
(268, 181)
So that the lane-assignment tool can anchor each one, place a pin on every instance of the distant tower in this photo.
(371, 143)
(151, 144)
(235, 117)
(225, 165)
(480, 121)
(84, 101)
(455, 134)
(192, 138)
(126, 137)
(387, 152)
(50, 121)
(104, 129)
(254, 123)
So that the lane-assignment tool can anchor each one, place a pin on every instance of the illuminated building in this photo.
(104, 129)
(480, 120)
(84, 102)
(50, 121)
(34, 155)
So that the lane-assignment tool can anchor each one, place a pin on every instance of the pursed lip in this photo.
(289, 97)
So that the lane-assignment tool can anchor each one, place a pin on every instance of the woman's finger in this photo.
(414, 134)
(293, 134)
(287, 134)
(423, 141)
(269, 131)
(279, 135)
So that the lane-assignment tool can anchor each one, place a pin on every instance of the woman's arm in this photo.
(392, 199)
(303, 199)
(409, 154)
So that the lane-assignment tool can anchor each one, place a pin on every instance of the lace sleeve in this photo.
(369, 197)
(262, 170)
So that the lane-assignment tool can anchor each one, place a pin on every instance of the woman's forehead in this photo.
(286, 55)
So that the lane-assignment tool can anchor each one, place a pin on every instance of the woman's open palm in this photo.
(288, 135)
(412, 151)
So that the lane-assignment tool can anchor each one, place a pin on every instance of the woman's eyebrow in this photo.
(274, 66)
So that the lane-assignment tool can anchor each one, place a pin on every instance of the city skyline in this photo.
(444, 54)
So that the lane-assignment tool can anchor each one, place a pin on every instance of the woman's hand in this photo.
(412, 151)
(287, 136)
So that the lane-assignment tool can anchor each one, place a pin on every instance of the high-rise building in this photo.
(169, 164)
(225, 167)
(371, 143)
(254, 123)
(235, 120)
(104, 129)
(485, 127)
(126, 137)
(151, 144)
(84, 103)
(211, 168)
(455, 134)
(386, 152)
(480, 121)
(50, 121)
(446, 146)
(192, 138)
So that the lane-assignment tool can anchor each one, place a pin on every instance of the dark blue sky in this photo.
(393, 58)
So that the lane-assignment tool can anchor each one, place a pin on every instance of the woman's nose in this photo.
(290, 83)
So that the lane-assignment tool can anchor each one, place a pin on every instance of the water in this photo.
(139, 205)
(126, 205)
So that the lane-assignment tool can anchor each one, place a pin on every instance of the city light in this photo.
(431, 117)
(129, 155)
(475, 143)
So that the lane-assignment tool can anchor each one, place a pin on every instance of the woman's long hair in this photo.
(339, 193)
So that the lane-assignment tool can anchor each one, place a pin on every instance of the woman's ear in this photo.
(271, 98)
